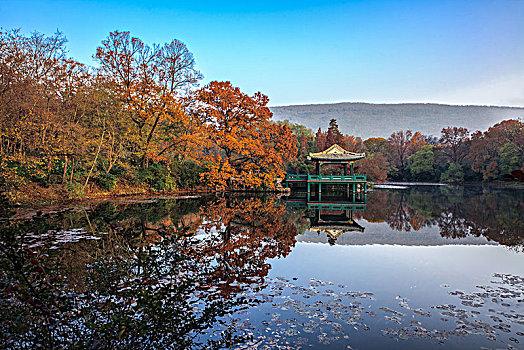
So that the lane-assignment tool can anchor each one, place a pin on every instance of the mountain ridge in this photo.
(366, 119)
(396, 103)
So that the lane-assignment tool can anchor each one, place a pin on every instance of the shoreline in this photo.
(27, 211)
(44, 206)
(41, 205)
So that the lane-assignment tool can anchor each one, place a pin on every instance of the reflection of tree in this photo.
(397, 209)
(157, 277)
(452, 226)
(458, 212)
(499, 216)
(377, 207)
(242, 235)
(399, 218)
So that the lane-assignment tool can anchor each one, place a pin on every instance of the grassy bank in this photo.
(34, 196)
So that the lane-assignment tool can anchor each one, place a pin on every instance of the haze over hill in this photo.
(380, 120)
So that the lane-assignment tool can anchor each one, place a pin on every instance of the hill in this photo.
(380, 120)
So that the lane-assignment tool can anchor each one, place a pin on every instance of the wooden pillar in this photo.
(318, 167)
(308, 191)
(320, 192)
(354, 191)
(351, 171)
(345, 169)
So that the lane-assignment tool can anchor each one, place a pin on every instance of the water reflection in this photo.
(333, 217)
(497, 215)
(181, 273)
(158, 275)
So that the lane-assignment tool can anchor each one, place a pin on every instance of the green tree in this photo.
(510, 157)
(454, 174)
(421, 163)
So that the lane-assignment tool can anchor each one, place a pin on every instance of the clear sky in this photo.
(299, 52)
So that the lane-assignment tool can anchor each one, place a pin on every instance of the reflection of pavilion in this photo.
(334, 223)
(333, 218)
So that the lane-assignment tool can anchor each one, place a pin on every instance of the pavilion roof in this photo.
(319, 227)
(335, 231)
(336, 153)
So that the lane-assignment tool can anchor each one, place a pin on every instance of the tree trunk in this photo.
(148, 140)
(94, 160)
(72, 170)
(64, 173)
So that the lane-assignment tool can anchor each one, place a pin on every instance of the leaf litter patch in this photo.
(320, 313)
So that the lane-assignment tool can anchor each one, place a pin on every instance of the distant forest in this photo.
(456, 155)
(381, 120)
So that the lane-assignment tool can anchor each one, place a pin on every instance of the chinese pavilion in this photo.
(354, 184)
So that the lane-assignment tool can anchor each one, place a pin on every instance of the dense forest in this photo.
(139, 121)
(455, 156)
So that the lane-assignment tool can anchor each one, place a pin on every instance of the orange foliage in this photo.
(245, 150)
(148, 80)
(246, 232)
(375, 167)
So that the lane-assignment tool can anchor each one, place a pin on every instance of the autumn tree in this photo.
(498, 150)
(333, 134)
(402, 144)
(375, 166)
(150, 81)
(246, 149)
(454, 143)
(305, 141)
(351, 143)
(39, 92)
(320, 140)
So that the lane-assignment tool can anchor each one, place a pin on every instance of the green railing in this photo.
(337, 206)
(337, 177)
(304, 177)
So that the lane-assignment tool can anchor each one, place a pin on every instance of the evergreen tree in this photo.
(334, 136)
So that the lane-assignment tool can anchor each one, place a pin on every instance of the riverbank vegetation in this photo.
(138, 121)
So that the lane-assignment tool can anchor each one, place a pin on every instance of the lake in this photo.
(430, 267)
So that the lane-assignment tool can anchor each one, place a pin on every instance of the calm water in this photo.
(425, 267)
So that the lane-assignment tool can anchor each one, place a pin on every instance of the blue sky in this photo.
(299, 52)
